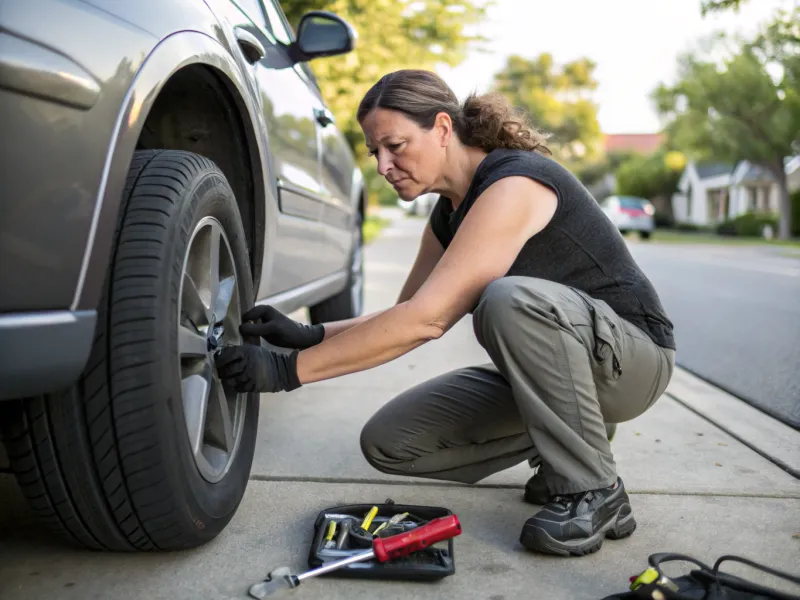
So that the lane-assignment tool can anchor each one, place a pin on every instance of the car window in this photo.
(252, 8)
(631, 202)
(280, 29)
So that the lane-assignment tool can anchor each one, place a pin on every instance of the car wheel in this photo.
(349, 302)
(645, 235)
(148, 451)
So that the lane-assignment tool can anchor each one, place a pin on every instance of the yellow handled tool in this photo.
(329, 536)
(368, 519)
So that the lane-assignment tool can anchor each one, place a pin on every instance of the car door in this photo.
(336, 178)
(294, 145)
(334, 160)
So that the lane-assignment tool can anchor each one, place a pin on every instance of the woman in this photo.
(575, 331)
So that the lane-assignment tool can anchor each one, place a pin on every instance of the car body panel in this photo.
(62, 134)
(78, 105)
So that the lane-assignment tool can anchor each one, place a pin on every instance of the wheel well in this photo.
(199, 111)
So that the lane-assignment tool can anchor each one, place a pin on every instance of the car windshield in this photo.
(632, 203)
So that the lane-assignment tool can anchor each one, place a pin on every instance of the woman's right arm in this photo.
(430, 251)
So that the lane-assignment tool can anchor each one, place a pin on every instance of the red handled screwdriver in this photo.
(383, 549)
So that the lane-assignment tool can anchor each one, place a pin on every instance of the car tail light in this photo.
(634, 212)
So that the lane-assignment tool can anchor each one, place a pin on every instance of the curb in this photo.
(762, 433)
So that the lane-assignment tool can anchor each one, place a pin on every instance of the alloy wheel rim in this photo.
(209, 313)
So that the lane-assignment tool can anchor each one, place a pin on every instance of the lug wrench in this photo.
(383, 549)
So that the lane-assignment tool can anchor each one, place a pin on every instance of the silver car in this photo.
(167, 164)
(629, 213)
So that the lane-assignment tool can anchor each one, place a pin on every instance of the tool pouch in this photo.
(430, 564)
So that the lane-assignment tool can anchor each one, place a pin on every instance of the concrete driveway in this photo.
(696, 489)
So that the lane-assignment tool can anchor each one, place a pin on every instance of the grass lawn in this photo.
(688, 237)
(372, 227)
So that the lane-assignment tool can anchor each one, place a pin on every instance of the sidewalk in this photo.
(695, 488)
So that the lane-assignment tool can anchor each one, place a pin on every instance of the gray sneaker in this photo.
(536, 491)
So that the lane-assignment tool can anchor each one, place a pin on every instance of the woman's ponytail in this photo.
(490, 121)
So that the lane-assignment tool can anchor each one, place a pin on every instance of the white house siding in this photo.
(697, 200)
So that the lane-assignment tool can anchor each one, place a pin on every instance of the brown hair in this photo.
(485, 121)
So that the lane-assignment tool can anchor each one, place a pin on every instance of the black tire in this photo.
(348, 303)
(645, 235)
(107, 463)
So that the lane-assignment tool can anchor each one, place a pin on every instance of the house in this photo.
(709, 193)
(793, 174)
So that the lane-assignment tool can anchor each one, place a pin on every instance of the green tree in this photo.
(392, 35)
(647, 176)
(557, 99)
(745, 107)
(711, 6)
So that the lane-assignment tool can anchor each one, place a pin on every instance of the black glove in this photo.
(279, 330)
(250, 368)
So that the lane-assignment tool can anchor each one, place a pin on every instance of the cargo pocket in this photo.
(607, 350)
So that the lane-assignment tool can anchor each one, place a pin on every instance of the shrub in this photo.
(688, 227)
(796, 213)
(748, 225)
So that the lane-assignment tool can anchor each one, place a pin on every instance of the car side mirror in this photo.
(322, 33)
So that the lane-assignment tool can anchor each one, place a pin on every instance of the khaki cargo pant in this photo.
(563, 364)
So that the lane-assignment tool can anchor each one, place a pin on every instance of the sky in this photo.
(635, 44)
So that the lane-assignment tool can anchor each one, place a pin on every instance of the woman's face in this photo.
(409, 157)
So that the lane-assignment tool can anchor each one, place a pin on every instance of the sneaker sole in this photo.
(620, 526)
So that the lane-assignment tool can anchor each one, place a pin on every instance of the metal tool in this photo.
(344, 532)
(383, 549)
(393, 521)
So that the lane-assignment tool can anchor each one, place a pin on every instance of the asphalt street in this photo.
(736, 312)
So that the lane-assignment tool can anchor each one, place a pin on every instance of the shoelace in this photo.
(567, 500)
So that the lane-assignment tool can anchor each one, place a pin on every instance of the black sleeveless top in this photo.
(579, 247)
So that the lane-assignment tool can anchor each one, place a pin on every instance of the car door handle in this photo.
(251, 48)
(323, 117)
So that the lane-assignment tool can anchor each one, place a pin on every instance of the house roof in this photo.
(708, 170)
(756, 173)
(632, 142)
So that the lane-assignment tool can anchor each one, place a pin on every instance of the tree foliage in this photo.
(392, 34)
(712, 6)
(557, 99)
(744, 107)
(648, 176)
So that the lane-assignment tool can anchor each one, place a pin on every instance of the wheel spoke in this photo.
(215, 238)
(227, 421)
(192, 303)
(195, 390)
(219, 424)
(191, 343)
(223, 300)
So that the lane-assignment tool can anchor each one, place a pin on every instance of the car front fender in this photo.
(171, 54)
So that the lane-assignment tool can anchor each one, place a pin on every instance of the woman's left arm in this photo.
(488, 241)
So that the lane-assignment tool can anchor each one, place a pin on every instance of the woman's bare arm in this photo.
(502, 219)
